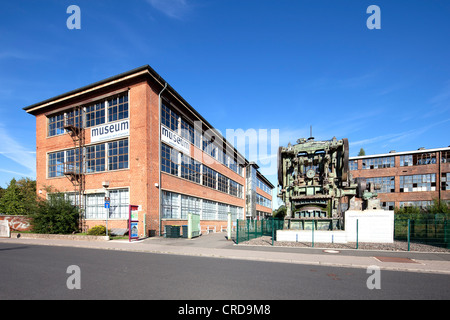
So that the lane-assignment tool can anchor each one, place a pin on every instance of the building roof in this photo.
(394, 153)
(145, 70)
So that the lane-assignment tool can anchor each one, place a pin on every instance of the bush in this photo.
(55, 216)
(97, 231)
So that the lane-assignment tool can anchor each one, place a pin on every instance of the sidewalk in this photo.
(217, 246)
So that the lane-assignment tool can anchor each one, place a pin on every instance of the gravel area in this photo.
(396, 246)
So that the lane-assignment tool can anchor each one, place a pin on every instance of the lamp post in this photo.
(105, 185)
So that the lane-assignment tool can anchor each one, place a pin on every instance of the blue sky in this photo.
(284, 65)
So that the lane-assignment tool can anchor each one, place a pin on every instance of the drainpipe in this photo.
(159, 152)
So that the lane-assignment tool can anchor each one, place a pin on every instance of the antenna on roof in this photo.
(310, 133)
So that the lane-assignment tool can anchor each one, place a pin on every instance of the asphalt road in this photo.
(41, 272)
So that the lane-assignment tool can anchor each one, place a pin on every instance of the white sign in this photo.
(110, 131)
(175, 140)
(4, 229)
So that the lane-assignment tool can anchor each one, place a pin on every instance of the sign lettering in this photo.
(110, 131)
(175, 140)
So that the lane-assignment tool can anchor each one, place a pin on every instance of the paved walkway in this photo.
(217, 246)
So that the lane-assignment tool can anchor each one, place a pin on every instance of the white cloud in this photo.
(176, 9)
(13, 150)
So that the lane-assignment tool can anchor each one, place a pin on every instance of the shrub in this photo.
(97, 231)
(55, 216)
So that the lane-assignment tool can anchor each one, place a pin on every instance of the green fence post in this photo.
(408, 235)
(248, 230)
(237, 231)
(273, 230)
(357, 233)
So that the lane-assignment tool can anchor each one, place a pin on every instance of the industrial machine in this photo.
(316, 184)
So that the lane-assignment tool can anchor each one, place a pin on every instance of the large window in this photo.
(56, 164)
(190, 169)
(209, 177)
(95, 158)
(119, 204)
(118, 108)
(353, 164)
(189, 205)
(222, 183)
(73, 161)
(169, 118)
(419, 182)
(171, 205)
(95, 206)
(263, 201)
(264, 187)
(95, 114)
(56, 125)
(169, 159)
(387, 184)
(209, 210)
(118, 155)
(445, 157)
(445, 181)
(187, 131)
(378, 163)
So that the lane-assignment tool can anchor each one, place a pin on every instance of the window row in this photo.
(95, 204)
(181, 165)
(177, 206)
(417, 159)
(101, 157)
(110, 109)
(264, 187)
(405, 161)
(377, 163)
(420, 204)
(387, 184)
(263, 201)
(203, 141)
(419, 182)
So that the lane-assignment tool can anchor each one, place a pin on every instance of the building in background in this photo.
(133, 140)
(411, 178)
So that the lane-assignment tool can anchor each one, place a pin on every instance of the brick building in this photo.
(411, 178)
(134, 139)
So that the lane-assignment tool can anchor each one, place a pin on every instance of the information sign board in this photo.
(133, 222)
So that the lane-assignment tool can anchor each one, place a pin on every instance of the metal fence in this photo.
(428, 230)
(247, 230)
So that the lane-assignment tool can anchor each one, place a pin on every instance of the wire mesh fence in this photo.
(247, 230)
(427, 229)
(431, 230)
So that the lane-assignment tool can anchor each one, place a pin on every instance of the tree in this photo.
(19, 198)
(57, 215)
(280, 212)
(361, 152)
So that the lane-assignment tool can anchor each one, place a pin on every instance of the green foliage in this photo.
(97, 231)
(440, 208)
(280, 213)
(361, 152)
(19, 198)
(55, 216)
